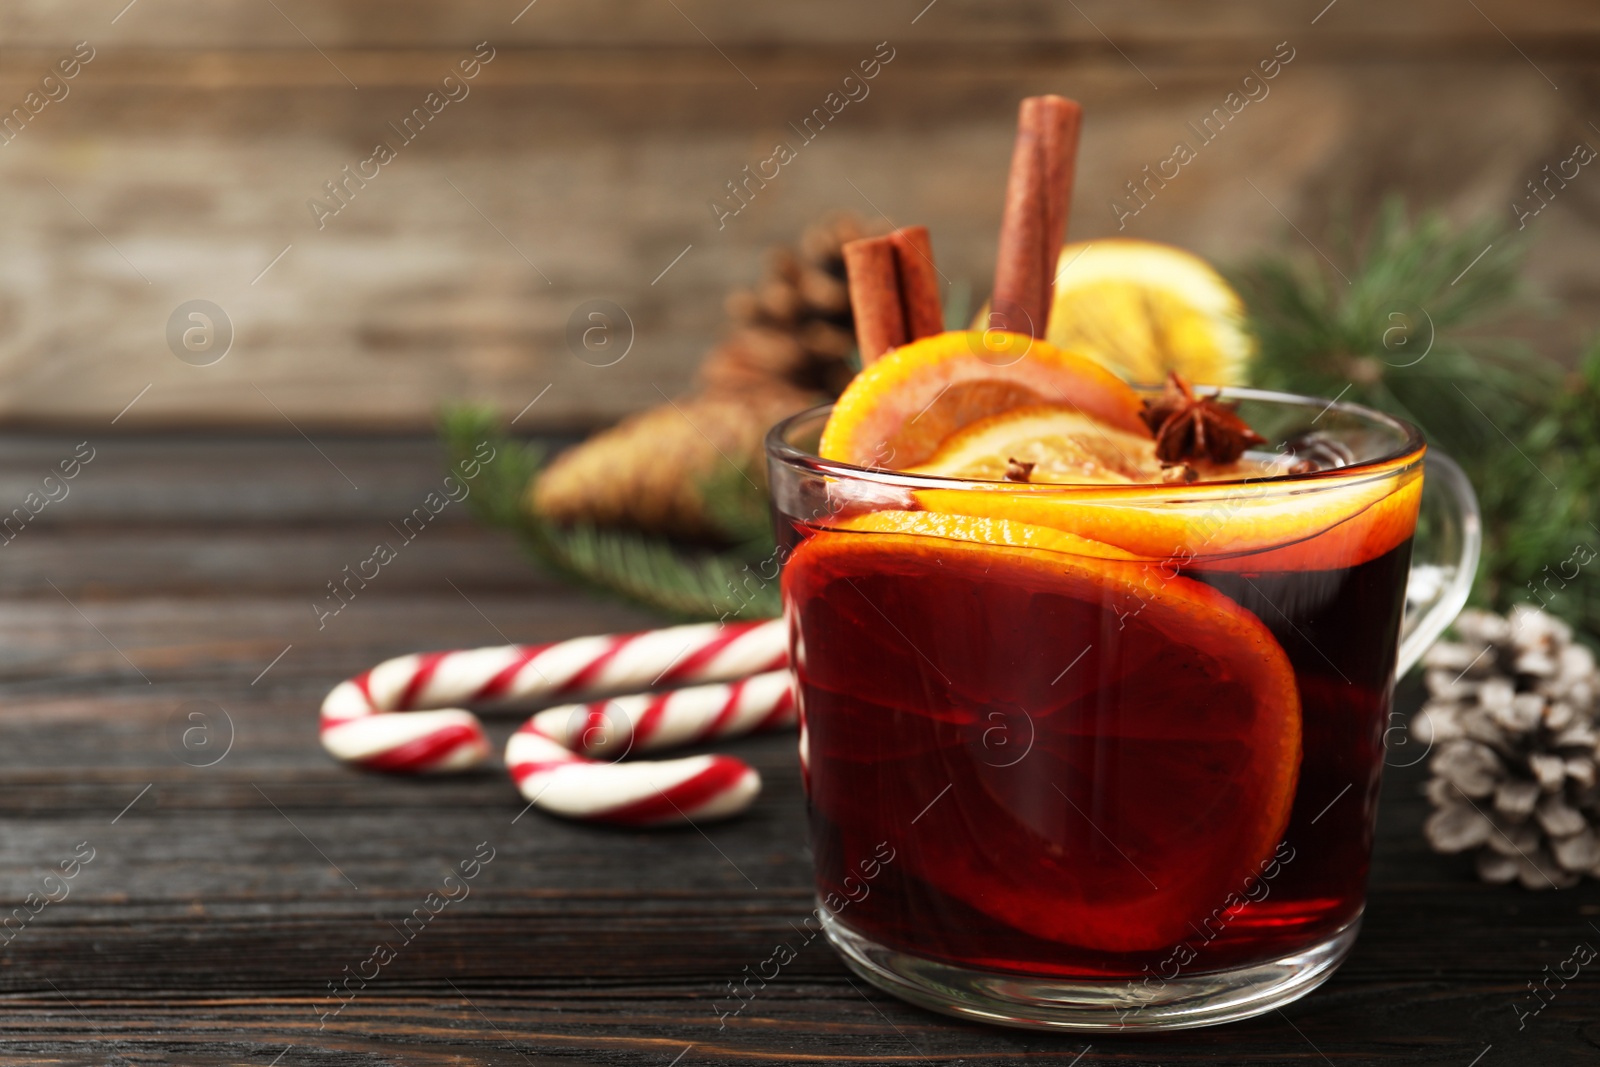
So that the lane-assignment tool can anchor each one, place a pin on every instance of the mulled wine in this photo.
(1091, 769)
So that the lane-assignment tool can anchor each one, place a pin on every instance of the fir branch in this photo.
(1555, 533)
(1393, 333)
(653, 572)
(497, 496)
(735, 500)
(658, 575)
(1402, 331)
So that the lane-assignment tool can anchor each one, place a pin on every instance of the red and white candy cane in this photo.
(406, 715)
(549, 758)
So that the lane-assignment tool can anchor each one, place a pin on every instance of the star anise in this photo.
(1179, 473)
(1189, 428)
(1017, 470)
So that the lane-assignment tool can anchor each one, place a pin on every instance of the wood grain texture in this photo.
(403, 23)
(220, 904)
(586, 158)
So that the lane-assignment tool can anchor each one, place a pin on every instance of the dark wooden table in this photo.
(178, 576)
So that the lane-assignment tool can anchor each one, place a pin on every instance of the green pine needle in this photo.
(679, 582)
(1392, 329)
(1400, 326)
(736, 503)
(1549, 492)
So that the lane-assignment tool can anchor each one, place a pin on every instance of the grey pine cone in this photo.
(1510, 721)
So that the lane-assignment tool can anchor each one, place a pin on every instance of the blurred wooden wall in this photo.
(180, 161)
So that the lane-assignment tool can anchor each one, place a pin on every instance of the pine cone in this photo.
(789, 346)
(795, 326)
(1511, 720)
(650, 470)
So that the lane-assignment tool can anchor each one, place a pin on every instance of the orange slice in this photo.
(1267, 525)
(1369, 533)
(897, 411)
(1058, 445)
(983, 530)
(1155, 724)
(1105, 485)
(951, 407)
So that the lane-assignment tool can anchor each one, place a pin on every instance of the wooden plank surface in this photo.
(223, 899)
(407, 23)
(584, 162)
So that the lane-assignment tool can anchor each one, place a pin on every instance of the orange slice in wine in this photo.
(1105, 484)
(983, 530)
(1324, 523)
(1163, 723)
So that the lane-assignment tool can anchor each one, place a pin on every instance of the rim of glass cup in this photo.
(1408, 452)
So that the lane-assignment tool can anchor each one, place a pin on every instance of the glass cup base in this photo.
(1076, 1004)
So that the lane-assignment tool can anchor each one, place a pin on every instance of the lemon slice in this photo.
(1143, 309)
(1045, 444)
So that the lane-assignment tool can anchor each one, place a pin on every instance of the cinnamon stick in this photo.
(875, 296)
(1061, 121)
(894, 290)
(1038, 192)
(919, 282)
(1019, 261)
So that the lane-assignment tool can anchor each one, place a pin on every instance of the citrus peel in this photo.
(897, 411)
(1145, 309)
(1266, 525)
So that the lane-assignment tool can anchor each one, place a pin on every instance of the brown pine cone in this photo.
(795, 326)
(788, 346)
(649, 471)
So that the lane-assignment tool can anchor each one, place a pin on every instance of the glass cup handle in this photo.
(1444, 558)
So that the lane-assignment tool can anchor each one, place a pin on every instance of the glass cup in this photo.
(1107, 757)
